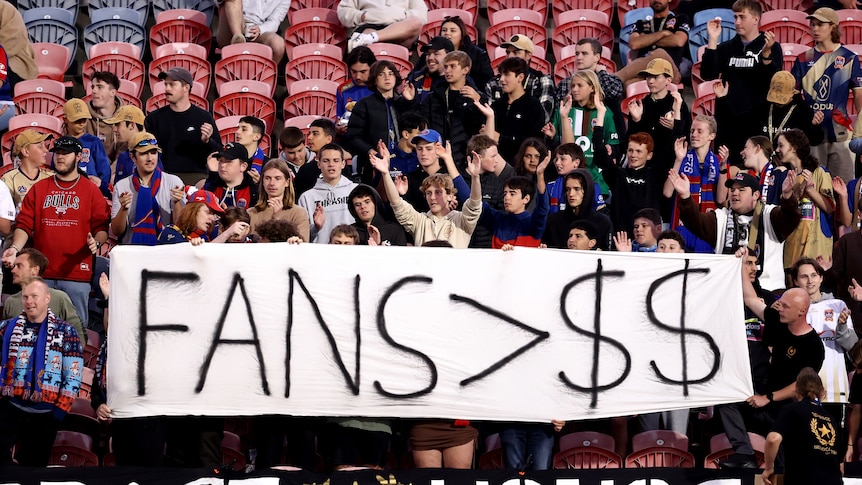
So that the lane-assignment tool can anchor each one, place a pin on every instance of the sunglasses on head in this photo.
(143, 143)
(451, 17)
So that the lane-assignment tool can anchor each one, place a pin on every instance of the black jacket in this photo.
(369, 123)
(456, 121)
(557, 230)
(391, 233)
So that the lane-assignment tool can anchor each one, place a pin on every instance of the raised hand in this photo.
(817, 118)
(549, 130)
(855, 290)
(401, 184)
(408, 91)
(622, 242)
(565, 107)
(126, 200)
(636, 109)
(319, 217)
(599, 103)
(713, 29)
(483, 108)
(680, 183)
(381, 164)
(723, 154)
(474, 165)
(720, 88)
(788, 186)
(275, 203)
(680, 148)
(373, 236)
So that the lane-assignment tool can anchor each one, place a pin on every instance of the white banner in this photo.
(526, 335)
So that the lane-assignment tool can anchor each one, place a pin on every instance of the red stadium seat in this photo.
(232, 452)
(244, 86)
(586, 458)
(540, 6)
(790, 26)
(659, 438)
(394, 53)
(660, 457)
(246, 61)
(72, 456)
(576, 24)
(801, 5)
(471, 6)
(314, 32)
(851, 26)
(87, 376)
(791, 52)
(122, 48)
(52, 60)
(42, 96)
(518, 14)
(560, 6)
(704, 103)
(180, 48)
(182, 14)
(500, 33)
(435, 21)
(297, 5)
(537, 61)
(82, 419)
(315, 68)
(720, 449)
(567, 64)
(128, 68)
(182, 28)
(326, 50)
(587, 439)
(492, 460)
(315, 14)
(246, 102)
(311, 97)
(301, 122)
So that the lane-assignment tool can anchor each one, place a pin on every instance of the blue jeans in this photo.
(79, 293)
(527, 446)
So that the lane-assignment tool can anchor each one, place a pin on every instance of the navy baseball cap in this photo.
(68, 144)
(744, 179)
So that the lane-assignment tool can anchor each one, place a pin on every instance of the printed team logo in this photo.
(829, 315)
(594, 122)
(770, 180)
(85, 156)
(242, 203)
(671, 23)
(791, 351)
(822, 88)
(85, 267)
(839, 62)
(823, 431)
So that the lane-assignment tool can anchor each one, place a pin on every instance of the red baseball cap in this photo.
(207, 198)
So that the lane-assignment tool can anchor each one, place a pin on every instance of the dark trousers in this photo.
(139, 441)
(33, 432)
(355, 446)
(195, 441)
(269, 436)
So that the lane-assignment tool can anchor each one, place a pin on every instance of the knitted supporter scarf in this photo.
(702, 180)
(31, 386)
(101, 369)
(147, 222)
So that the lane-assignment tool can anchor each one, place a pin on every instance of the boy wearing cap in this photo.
(536, 84)
(32, 156)
(66, 218)
(127, 122)
(435, 157)
(662, 114)
(326, 202)
(826, 73)
(230, 182)
(427, 77)
(748, 222)
(94, 160)
(186, 133)
(146, 201)
(745, 64)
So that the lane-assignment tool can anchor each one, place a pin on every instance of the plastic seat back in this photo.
(126, 68)
(317, 49)
(436, 19)
(180, 48)
(69, 5)
(628, 23)
(698, 37)
(49, 13)
(199, 68)
(471, 6)
(560, 6)
(311, 97)
(180, 30)
(540, 6)
(52, 60)
(789, 26)
(140, 6)
(118, 13)
(206, 7)
(36, 96)
(316, 14)
(586, 458)
(518, 14)
(50, 31)
(623, 9)
(704, 16)
(659, 438)
(500, 33)
(576, 25)
(660, 457)
(586, 439)
(315, 68)
(314, 33)
(114, 31)
(241, 63)
(121, 48)
(301, 122)
(246, 103)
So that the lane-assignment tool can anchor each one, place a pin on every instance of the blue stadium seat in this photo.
(140, 6)
(49, 13)
(697, 36)
(206, 6)
(631, 18)
(70, 5)
(117, 13)
(704, 16)
(114, 30)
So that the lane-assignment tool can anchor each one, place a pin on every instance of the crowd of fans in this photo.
(462, 156)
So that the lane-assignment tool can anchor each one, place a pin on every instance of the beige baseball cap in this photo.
(520, 42)
(825, 14)
(126, 112)
(781, 88)
(657, 66)
(76, 109)
(27, 138)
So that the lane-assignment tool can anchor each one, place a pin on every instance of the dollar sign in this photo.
(596, 334)
(681, 330)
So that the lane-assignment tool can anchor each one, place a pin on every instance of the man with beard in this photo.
(66, 218)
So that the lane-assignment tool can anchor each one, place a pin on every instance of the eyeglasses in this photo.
(143, 143)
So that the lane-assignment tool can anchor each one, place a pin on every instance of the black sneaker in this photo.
(737, 461)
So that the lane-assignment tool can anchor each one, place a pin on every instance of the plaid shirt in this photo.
(536, 84)
(611, 85)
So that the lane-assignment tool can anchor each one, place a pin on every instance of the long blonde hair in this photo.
(288, 199)
(593, 80)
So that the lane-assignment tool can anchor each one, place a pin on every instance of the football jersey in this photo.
(826, 79)
(823, 317)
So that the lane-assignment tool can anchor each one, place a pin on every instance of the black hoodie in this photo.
(391, 233)
(557, 230)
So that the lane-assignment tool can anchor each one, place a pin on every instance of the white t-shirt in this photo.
(823, 317)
